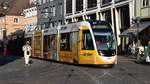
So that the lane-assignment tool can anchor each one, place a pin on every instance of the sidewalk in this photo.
(7, 59)
(130, 56)
(18, 60)
(14, 71)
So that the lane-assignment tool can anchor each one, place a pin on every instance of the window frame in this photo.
(91, 4)
(65, 42)
(16, 20)
(68, 6)
(89, 43)
(145, 3)
(79, 5)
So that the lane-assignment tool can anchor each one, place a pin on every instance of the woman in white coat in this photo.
(27, 52)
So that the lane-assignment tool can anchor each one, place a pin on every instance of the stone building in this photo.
(50, 13)
(12, 20)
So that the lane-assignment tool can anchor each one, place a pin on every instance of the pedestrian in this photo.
(129, 49)
(133, 48)
(126, 49)
(148, 48)
(148, 52)
(27, 52)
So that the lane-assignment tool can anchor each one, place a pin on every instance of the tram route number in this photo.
(87, 54)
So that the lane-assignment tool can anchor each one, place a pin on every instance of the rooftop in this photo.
(15, 6)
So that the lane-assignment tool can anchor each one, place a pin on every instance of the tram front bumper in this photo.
(107, 60)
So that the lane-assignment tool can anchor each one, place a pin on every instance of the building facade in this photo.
(12, 23)
(30, 19)
(11, 19)
(142, 12)
(139, 31)
(116, 12)
(142, 8)
(50, 13)
(121, 14)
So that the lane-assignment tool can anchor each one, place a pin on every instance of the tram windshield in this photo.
(105, 42)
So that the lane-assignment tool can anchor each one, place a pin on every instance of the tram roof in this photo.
(50, 31)
(72, 27)
(66, 28)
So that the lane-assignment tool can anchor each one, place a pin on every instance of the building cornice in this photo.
(101, 9)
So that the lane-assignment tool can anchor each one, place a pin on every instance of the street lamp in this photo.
(5, 6)
(137, 22)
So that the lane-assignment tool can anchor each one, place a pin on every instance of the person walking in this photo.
(148, 52)
(27, 52)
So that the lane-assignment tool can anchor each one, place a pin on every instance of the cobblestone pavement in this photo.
(13, 71)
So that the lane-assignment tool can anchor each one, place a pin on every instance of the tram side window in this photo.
(65, 42)
(46, 43)
(52, 42)
(87, 43)
(37, 42)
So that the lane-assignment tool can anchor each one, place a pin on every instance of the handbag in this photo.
(28, 52)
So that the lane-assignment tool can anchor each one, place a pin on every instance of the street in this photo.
(13, 71)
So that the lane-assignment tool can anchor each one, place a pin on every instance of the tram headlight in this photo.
(100, 53)
(106, 52)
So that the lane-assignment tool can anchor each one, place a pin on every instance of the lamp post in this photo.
(138, 39)
(138, 22)
(5, 6)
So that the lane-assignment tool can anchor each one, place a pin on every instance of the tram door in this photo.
(74, 46)
(38, 44)
(45, 48)
(53, 48)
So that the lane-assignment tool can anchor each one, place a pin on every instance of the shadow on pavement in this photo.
(142, 63)
(83, 65)
(7, 59)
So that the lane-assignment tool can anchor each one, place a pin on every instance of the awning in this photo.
(29, 28)
(134, 29)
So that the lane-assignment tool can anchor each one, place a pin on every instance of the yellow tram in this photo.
(91, 43)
